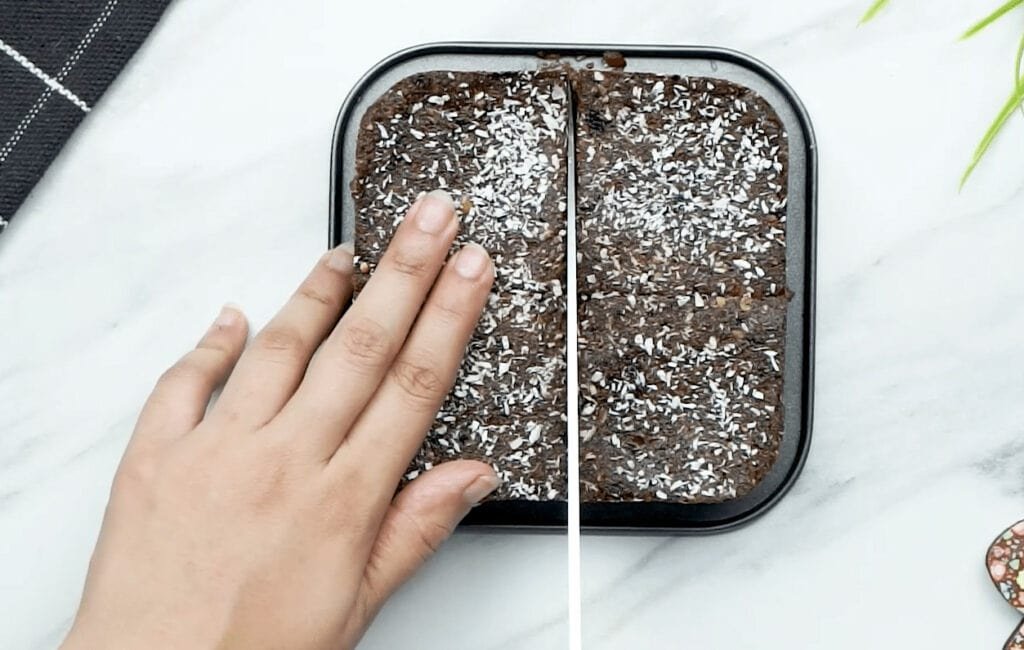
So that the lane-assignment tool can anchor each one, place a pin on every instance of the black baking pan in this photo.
(798, 377)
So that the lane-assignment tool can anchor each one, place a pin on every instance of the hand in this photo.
(270, 519)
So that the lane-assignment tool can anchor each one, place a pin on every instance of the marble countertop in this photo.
(202, 177)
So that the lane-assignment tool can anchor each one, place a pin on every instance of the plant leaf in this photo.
(1007, 7)
(1020, 60)
(1018, 73)
(873, 11)
(990, 135)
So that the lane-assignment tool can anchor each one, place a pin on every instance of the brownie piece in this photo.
(681, 204)
(497, 143)
(681, 403)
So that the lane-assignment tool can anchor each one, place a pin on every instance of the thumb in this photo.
(419, 520)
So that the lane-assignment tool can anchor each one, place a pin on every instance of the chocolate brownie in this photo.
(681, 403)
(681, 245)
(497, 142)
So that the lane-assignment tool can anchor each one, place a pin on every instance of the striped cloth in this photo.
(57, 57)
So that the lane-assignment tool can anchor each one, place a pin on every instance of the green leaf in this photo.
(1004, 115)
(873, 11)
(1018, 73)
(1007, 7)
(1020, 61)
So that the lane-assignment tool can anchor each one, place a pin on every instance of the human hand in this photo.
(270, 519)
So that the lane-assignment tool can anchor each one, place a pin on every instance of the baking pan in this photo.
(798, 372)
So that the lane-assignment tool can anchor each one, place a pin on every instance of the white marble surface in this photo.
(202, 177)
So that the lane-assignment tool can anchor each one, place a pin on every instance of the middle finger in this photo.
(386, 436)
(353, 360)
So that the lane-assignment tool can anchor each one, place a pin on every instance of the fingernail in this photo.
(471, 262)
(436, 212)
(478, 490)
(341, 258)
(229, 316)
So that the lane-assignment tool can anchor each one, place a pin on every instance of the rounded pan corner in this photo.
(694, 519)
(342, 119)
(770, 74)
(352, 99)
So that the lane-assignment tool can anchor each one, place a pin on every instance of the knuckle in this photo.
(421, 384)
(186, 369)
(136, 471)
(365, 340)
(409, 263)
(430, 534)
(314, 295)
(277, 340)
(450, 311)
(217, 347)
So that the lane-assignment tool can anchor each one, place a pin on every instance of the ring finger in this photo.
(353, 360)
(392, 426)
(268, 372)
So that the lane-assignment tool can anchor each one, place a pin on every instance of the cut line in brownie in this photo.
(681, 206)
(497, 143)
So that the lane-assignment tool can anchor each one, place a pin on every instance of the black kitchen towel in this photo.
(57, 57)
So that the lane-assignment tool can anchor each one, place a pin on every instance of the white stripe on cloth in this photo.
(42, 76)
(94, 29)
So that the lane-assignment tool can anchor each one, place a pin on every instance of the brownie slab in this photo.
(497, 143)
(681, 204)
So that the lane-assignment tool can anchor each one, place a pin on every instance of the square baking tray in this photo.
(798, 374)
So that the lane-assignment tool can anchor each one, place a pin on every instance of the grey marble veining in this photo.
(202, 177)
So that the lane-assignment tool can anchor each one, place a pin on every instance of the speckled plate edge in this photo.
(798, 386)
